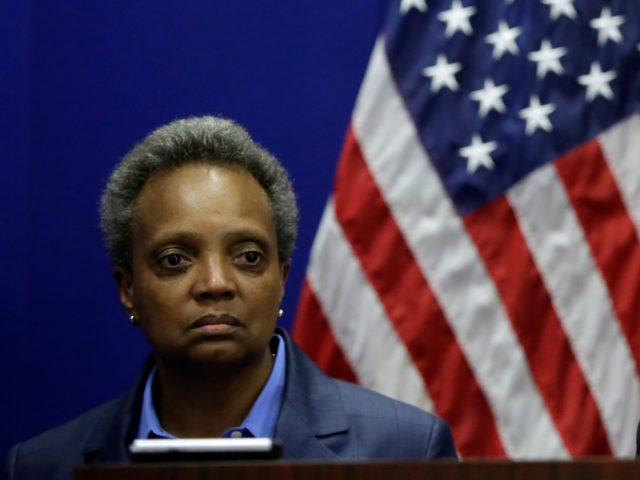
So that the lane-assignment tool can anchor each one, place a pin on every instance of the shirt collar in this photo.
(261, 420)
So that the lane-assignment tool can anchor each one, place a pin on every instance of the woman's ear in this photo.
(284, 273)
(124, 282)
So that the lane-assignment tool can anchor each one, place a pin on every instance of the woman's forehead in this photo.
(197, 195)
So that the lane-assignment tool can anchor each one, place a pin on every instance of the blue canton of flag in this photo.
(498, 88)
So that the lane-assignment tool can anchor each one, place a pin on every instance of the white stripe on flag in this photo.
(621, 146)
(358, 320)
(451, 264)
(557, 243)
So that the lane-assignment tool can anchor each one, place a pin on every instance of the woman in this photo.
(200, 223)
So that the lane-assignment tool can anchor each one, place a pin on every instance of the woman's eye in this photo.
(251, 257)
(173, 260)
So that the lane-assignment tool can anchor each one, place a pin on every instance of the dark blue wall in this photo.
(80, 82)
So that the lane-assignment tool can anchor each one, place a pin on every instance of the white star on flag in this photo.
(548, 59)
(597, 82)
(537, 116)
(608, 27)
(478, 154)
(561, 7)
(490, 97)
(457, 19)
(407, 5)
(443, 74)
(504, 40)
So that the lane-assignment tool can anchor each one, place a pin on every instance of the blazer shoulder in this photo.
(75, 430)
(401, 429)
(54, 453)
(349, 421)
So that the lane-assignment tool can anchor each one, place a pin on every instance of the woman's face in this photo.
(206, 283)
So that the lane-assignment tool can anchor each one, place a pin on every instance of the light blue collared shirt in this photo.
(261, 420)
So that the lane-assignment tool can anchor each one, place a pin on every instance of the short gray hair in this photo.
(199, 140)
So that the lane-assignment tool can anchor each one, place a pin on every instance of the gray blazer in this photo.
(321, 418)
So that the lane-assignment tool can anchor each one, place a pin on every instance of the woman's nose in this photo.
(214, 280)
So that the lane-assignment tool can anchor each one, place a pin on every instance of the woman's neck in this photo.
(194, 403)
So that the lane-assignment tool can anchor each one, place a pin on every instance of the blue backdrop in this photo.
(80, 83)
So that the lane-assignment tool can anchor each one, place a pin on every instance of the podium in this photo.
(591, 469)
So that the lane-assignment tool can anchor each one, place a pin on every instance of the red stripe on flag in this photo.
(411, 306)
(495, 231)
(312, 332)
(609, 230)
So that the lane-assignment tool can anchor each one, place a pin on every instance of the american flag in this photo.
(479, 254)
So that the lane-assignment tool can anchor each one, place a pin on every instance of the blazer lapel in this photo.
(312, 421)
(109, 440)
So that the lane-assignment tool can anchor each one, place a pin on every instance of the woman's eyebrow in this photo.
(248, 234)
(177, 236)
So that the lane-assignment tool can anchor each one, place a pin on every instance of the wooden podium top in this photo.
(600, 469)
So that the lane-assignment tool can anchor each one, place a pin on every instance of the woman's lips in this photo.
(213, 325)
